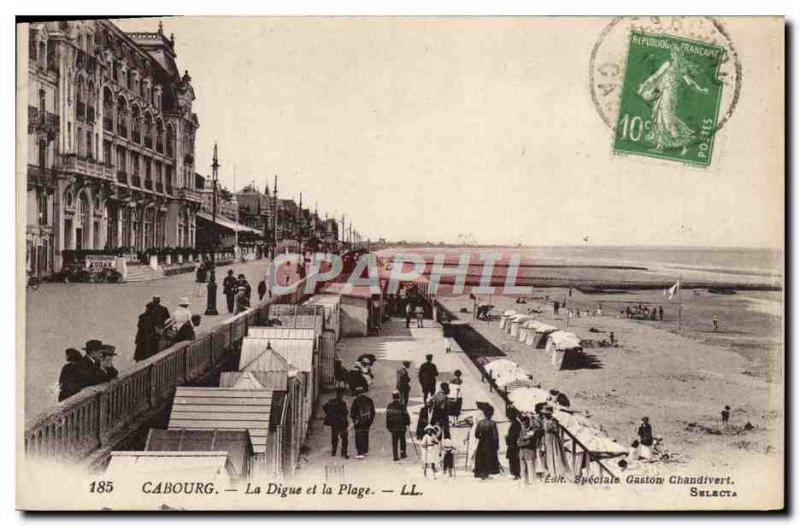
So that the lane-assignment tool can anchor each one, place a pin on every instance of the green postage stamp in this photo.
(670, 98)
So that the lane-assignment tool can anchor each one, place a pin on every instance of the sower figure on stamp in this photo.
(397, 422)
(362, 412)
(336, 418)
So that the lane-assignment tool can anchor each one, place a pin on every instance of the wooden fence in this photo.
(97, 417)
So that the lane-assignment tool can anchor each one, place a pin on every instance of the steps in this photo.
(137, 272)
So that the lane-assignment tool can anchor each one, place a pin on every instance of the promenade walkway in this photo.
(61, 315)
(395, 344)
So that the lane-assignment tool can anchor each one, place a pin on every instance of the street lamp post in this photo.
(211, 308)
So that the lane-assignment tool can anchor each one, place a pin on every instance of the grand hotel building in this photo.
(111, 143)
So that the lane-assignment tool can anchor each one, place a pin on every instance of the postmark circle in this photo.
(607, 61)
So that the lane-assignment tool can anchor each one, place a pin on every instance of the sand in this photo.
(681, 381)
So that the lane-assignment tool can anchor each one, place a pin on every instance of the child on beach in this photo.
(431, 450)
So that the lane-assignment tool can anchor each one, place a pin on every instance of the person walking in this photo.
(229, 288)
(397, 422)
(420, 314)
(512, 442)
(242, 299)
(262, 289)
(715, 323)
(439, 410)
(70, 381)
(403, 383)
(555, 308)
(242, 282)
(335, 411)
(161, 317)
(486, 462)
(529, 443)
(427, 377)
(726, 414)
(146, 337)
(645, 433)
(555, 458)
(409, 309)
(431, 447)
(362, 412)
(182, 315)
(660, 313)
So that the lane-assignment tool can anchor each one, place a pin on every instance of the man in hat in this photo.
(362, 412)
(159, 317)
(107, 352)
(427, 377)
(403, 383)
(439, 412)
(335, 411)
(645, 433)
(397, 422)
(242, 282)
(91, 369)
(229, 288)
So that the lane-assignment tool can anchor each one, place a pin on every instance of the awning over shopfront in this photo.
(224, 222)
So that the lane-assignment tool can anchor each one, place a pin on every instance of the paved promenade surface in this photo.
(61, 315)
(378, 470)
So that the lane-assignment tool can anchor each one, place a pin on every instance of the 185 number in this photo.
(101, 486)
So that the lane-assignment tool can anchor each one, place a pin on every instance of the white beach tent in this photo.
(506, 316)
(563, 346)
(537, 334)
(516, 323)
(526, 398)
(500, 367)
(514, 378)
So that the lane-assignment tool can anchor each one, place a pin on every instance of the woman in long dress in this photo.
(662, 88)
(486, 461)
(555, 459)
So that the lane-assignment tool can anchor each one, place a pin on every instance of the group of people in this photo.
(85, 370)
(237, 291)
(362, 414)
(157, 329)
(643, 312)
(533, 444)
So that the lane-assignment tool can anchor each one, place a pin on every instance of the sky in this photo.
(433, 129)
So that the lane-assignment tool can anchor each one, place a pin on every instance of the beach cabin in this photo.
(271, 334)
(516, 323)
(187, 466)
(538, 333)
(564, 348)
(236, 443)
(293, 357)
(331, 305)
(217, 408)
(505, 317)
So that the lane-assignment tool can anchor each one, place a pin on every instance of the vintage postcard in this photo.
(400, 263)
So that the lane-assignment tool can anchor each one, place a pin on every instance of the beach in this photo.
(680, 380)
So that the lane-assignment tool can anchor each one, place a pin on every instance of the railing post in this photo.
(104, 433)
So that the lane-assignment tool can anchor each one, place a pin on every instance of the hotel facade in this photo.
(111, 144)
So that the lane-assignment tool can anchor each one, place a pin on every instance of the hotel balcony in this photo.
(38, 176)
(191, 195)
(71, 163)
